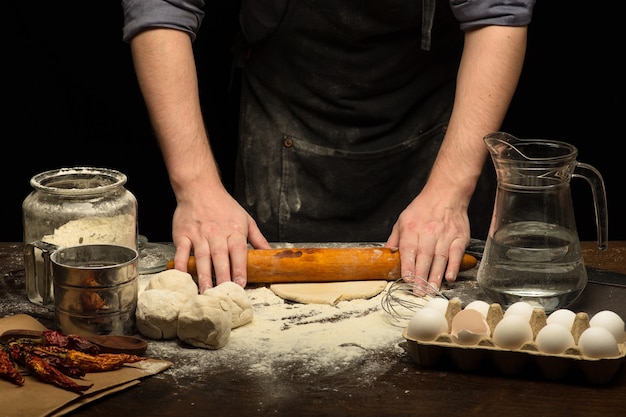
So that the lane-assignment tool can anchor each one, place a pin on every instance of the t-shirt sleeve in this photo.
(477, 13)
(139, 15)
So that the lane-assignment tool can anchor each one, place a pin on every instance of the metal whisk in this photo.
(406, 295)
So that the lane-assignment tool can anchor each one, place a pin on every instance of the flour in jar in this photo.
(286, 338)
(119, 229)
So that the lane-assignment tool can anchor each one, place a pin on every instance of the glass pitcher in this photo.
(532, 253)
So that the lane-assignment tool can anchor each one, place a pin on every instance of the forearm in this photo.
(488, 75)
(165, 68)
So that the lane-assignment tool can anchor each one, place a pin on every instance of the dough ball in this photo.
(157, 311)
(174, 280)
(204, 321)
(240, 305)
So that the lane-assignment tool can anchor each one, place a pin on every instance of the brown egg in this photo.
(468, 327)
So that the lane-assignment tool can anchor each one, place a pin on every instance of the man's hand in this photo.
(432, 238)
(217, 229)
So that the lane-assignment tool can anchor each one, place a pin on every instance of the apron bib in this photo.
(342, 114)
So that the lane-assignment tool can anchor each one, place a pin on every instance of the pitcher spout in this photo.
(506, 147)
(501, 143)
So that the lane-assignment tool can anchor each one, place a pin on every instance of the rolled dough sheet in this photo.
(329, 292)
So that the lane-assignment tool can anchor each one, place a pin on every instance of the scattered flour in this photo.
(285, 336)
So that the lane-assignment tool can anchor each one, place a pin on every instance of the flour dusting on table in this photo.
(285, 337)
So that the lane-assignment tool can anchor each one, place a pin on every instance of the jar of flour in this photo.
(75, 206)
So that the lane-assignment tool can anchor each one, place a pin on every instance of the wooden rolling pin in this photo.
(323, 264)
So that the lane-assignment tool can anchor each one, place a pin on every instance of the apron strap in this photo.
(428, 16)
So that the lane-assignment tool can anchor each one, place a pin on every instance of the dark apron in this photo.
(342, 114)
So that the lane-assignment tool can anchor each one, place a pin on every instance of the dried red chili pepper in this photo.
(55, 356)
(100, 363)
(8, 370)
(44, 371)
(47, 373)
(86, 362)
(48, 358)
(55, 338)
(60, 364)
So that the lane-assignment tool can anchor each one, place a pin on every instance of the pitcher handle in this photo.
(594, 178)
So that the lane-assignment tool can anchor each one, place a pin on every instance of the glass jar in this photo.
(153, 257)
(75, 206)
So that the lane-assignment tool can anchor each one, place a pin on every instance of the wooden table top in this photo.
(400, 388)
(613, 258)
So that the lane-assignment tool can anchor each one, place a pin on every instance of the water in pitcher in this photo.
(535, 262)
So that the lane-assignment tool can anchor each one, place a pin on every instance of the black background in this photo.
(70, 98)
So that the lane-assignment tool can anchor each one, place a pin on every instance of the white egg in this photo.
(480, 306)
(468, 327)
(437, 303)
(598, 342)
(611, 321)
(554, 338)
(563, 317)
(426, 324)
(512, 332)
(520, 308)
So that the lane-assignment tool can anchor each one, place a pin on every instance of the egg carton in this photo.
(476, 357)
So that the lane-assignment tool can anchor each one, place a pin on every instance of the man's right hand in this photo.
(217, 229)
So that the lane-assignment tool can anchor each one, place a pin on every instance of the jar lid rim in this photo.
(108, 179)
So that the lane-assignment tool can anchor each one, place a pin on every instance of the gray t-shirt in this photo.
(186, 15)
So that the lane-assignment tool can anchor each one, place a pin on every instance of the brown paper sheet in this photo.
(38, 399)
